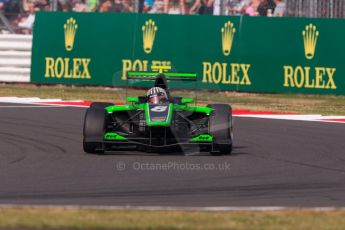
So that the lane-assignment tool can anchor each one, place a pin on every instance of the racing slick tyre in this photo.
(94, 127)
(220, 127)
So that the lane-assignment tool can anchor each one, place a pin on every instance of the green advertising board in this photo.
(252, 54)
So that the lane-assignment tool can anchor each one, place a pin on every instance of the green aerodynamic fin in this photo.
(198, 109)
(112, 136)
(202, 138)
(118, 108)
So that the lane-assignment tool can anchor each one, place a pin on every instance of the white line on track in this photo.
(32, 106)
(63, 105)
(298, 117)
(173, 208)
(27, 100)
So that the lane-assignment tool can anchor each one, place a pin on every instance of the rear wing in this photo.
(139, 75)
(169, 76)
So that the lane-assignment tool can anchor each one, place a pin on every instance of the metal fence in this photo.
(316, 8)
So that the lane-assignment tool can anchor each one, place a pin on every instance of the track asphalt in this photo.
(274, 163)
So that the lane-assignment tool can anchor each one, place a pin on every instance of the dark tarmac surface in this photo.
(274, 163)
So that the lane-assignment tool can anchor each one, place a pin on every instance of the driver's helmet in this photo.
(156, 95)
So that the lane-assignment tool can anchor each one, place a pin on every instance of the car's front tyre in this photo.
(220, 127)
(94, 128)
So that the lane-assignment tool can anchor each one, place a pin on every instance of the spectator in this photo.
(174, 6)
(229, 7)
(11, 9)
(92, 5)
(116, 6)
(3, 4)
(65, 6)
(81, 7)
(190, 6)
(217, 6)
(194, 9)
(85, 5)
(147, 5)
(127, 6)
(105, 6)
(252, 9)
(279, 11)
(238, 6)
(205, 6)
(42, 4)
(265, 7)
(25, 5)
(157, 8)
(25, 21)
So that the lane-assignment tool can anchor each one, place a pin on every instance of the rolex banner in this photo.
(253, 54)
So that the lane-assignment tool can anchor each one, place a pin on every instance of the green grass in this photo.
(58, 218)
(308, 104)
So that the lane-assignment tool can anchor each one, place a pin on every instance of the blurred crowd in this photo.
(216, 7)
(275, 8)
(21, 13)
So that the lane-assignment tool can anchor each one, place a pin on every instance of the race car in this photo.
(158, 121)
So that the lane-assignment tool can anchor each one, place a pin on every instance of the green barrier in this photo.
(252, 54)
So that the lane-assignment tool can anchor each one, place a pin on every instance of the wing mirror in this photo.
(132, 99)
(187, 100)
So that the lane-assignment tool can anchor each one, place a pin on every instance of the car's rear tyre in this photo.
(94, 127)
(220, 127)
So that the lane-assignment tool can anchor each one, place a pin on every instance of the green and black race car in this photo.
(158, 122)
